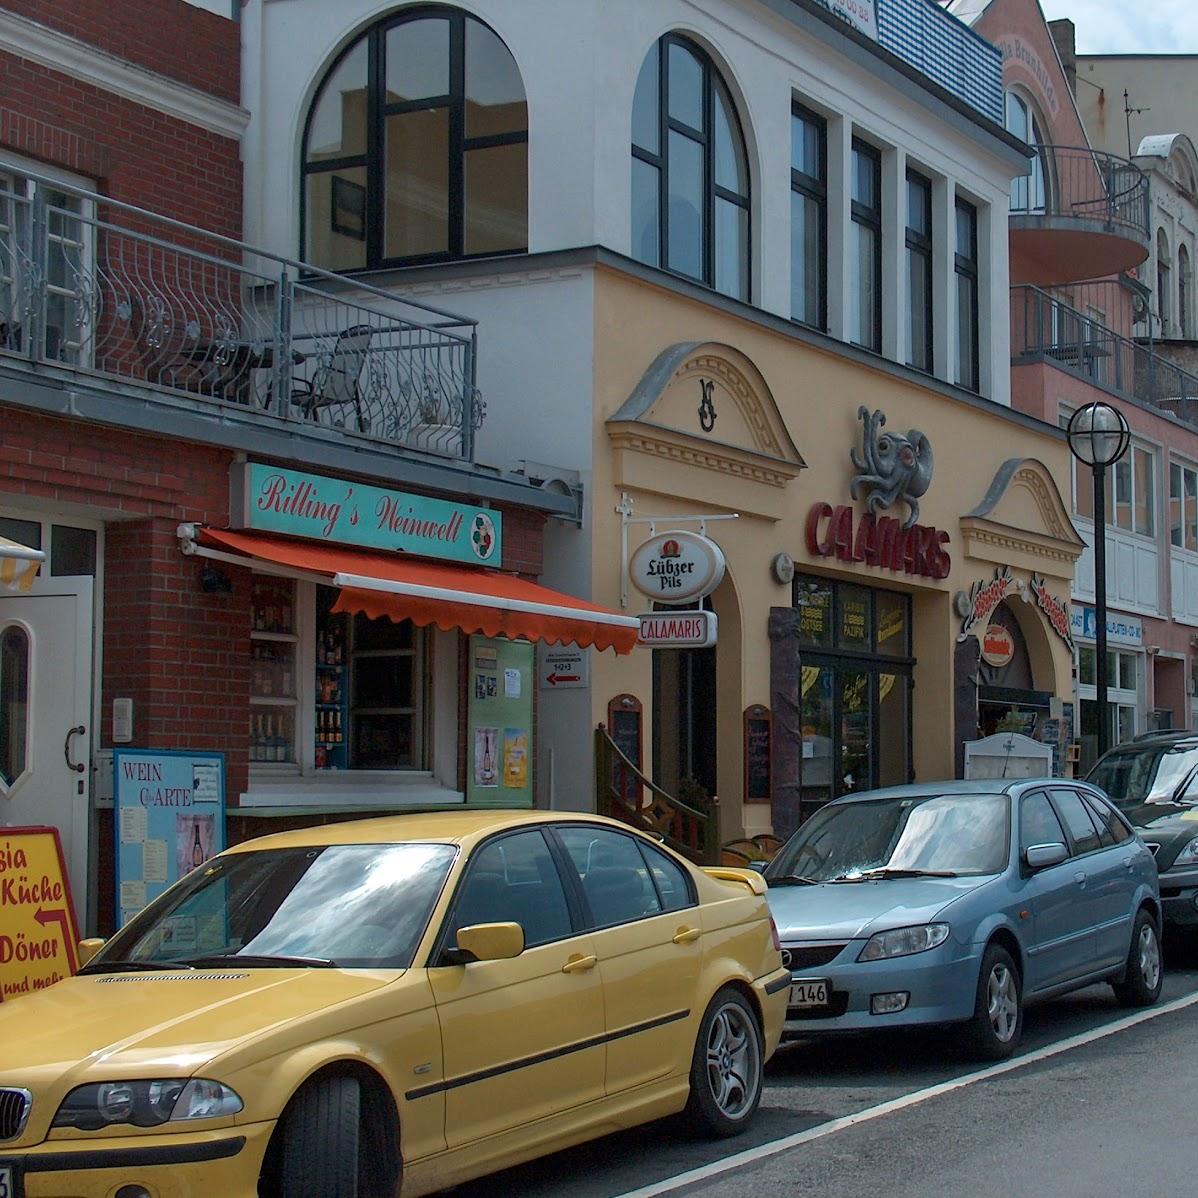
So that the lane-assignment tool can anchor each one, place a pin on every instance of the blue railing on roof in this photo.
(945, 49)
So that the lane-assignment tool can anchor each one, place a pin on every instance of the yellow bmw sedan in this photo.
(390, 1007)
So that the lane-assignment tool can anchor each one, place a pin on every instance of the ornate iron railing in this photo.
(1084, 184)
(95, 285)
(1044, 327)
(622, 792)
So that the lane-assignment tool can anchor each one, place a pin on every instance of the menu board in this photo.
(758, 729)
(499, 710)
(169, 819)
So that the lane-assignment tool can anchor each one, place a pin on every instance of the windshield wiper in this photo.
(260, 961)
(132, 966)
(792, 880)
(885, 871)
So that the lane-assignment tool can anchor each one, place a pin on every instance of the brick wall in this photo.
(168, 37)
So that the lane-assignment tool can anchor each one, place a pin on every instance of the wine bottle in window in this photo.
(197, 849)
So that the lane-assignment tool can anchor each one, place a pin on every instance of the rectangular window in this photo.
(865, 326)
(1134, 492)
(808, 218)
(273, 673)
(966, 267)
(919, 272)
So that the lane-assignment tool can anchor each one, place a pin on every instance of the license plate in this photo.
(8, 1182)
(809, 993)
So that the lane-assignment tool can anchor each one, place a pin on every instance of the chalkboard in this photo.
(624, 727)
(758, 732)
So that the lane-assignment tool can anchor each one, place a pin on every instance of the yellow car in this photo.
(393, 1006)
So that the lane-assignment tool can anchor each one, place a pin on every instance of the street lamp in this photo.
(1099, 437)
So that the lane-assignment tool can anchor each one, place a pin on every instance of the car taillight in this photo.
(774, 934)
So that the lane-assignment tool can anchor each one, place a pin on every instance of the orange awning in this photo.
(441, 593)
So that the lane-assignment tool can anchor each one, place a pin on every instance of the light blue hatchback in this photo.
(958, 902)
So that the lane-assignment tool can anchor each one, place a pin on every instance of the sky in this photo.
(1126, 27)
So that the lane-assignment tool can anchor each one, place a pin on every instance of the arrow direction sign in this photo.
(563, 667)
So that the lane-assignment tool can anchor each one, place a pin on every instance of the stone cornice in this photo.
(706, 455)
(978, 532)
(60, 52)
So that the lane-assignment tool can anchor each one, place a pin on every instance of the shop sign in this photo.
(563, 667)
(336, 511)
(879, 542)
(676, 566)
(861, 14)
(983, 599)
(38, 936)
(998, 645)
(1056, 611)
(1120, 629)
(678, 629)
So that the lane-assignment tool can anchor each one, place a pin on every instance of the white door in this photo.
(45, 717)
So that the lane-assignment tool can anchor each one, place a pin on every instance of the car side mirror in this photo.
(86, 949)
(1041, 856)
(489, 942)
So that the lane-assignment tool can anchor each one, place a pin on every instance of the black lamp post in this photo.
(1099, 437)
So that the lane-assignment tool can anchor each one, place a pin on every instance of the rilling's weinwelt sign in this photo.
(348, 513)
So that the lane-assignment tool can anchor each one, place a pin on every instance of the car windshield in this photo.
(355, 906)
(899, 837)
(1137, 776)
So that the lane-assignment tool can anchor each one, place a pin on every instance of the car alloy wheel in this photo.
(733, 1061)
(1150, 956)
(1002, 1001)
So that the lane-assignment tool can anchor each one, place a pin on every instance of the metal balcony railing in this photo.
(97, 286)
(1044, 328)
(1084, 184)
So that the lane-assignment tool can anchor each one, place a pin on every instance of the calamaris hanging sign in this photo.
(340, 512)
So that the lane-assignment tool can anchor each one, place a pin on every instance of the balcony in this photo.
(1045, 329)
(1079, 214)
(100, 291)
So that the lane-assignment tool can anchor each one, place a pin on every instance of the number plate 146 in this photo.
(809, 994)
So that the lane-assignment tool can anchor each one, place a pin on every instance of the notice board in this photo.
(499, 729)
(169, 818)
(38, 935)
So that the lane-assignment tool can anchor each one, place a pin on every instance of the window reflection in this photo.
(14, 703)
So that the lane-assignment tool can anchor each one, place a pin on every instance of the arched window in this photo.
(1185, 301)
(416, 147)
(1029, 193)
(690, 176)
(1163, 282)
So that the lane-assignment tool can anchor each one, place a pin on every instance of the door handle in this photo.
(579, 964)
(76, 767)
(687, 935)
(1079, 878)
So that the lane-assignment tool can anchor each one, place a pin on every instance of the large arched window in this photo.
(1029, 193)
(416, 147)
(1163, 280)
(1185, 293)
(690, 177)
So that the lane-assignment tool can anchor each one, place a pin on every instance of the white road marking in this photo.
(763, 1151)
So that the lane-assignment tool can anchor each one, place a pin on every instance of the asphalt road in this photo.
(1083, 1121)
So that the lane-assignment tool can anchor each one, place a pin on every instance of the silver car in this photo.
(959, 902)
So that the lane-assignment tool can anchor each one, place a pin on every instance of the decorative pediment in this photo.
(703, 409)
(1023, 521)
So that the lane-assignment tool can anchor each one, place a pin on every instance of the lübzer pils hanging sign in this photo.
(676, 566)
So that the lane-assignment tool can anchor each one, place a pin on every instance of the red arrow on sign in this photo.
(554, 679)
(59, 917)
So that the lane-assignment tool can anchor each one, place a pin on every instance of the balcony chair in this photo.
(335, 380)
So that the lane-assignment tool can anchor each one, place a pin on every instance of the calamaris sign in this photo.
(349, 513)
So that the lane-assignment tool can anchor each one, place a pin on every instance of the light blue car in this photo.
(958, 902)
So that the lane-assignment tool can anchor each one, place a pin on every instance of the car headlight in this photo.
(902, 942)
(145, 1103)
(1188, 854)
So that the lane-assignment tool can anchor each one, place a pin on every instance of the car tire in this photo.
(727, 1067)
(321, 1140)
(1144, 975)
(996, 1028)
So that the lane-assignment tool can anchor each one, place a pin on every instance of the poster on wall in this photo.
(169, 819)
(499, 696)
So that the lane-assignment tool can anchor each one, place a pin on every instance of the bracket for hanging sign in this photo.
(624, 511)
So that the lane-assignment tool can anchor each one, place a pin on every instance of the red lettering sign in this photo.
(881, 543)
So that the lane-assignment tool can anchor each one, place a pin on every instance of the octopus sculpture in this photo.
(891, 467)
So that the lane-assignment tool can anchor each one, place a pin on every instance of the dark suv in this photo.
(1153, 780)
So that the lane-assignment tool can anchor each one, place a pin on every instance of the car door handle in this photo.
(579, 964)
(687, 935)
(1079, 878)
